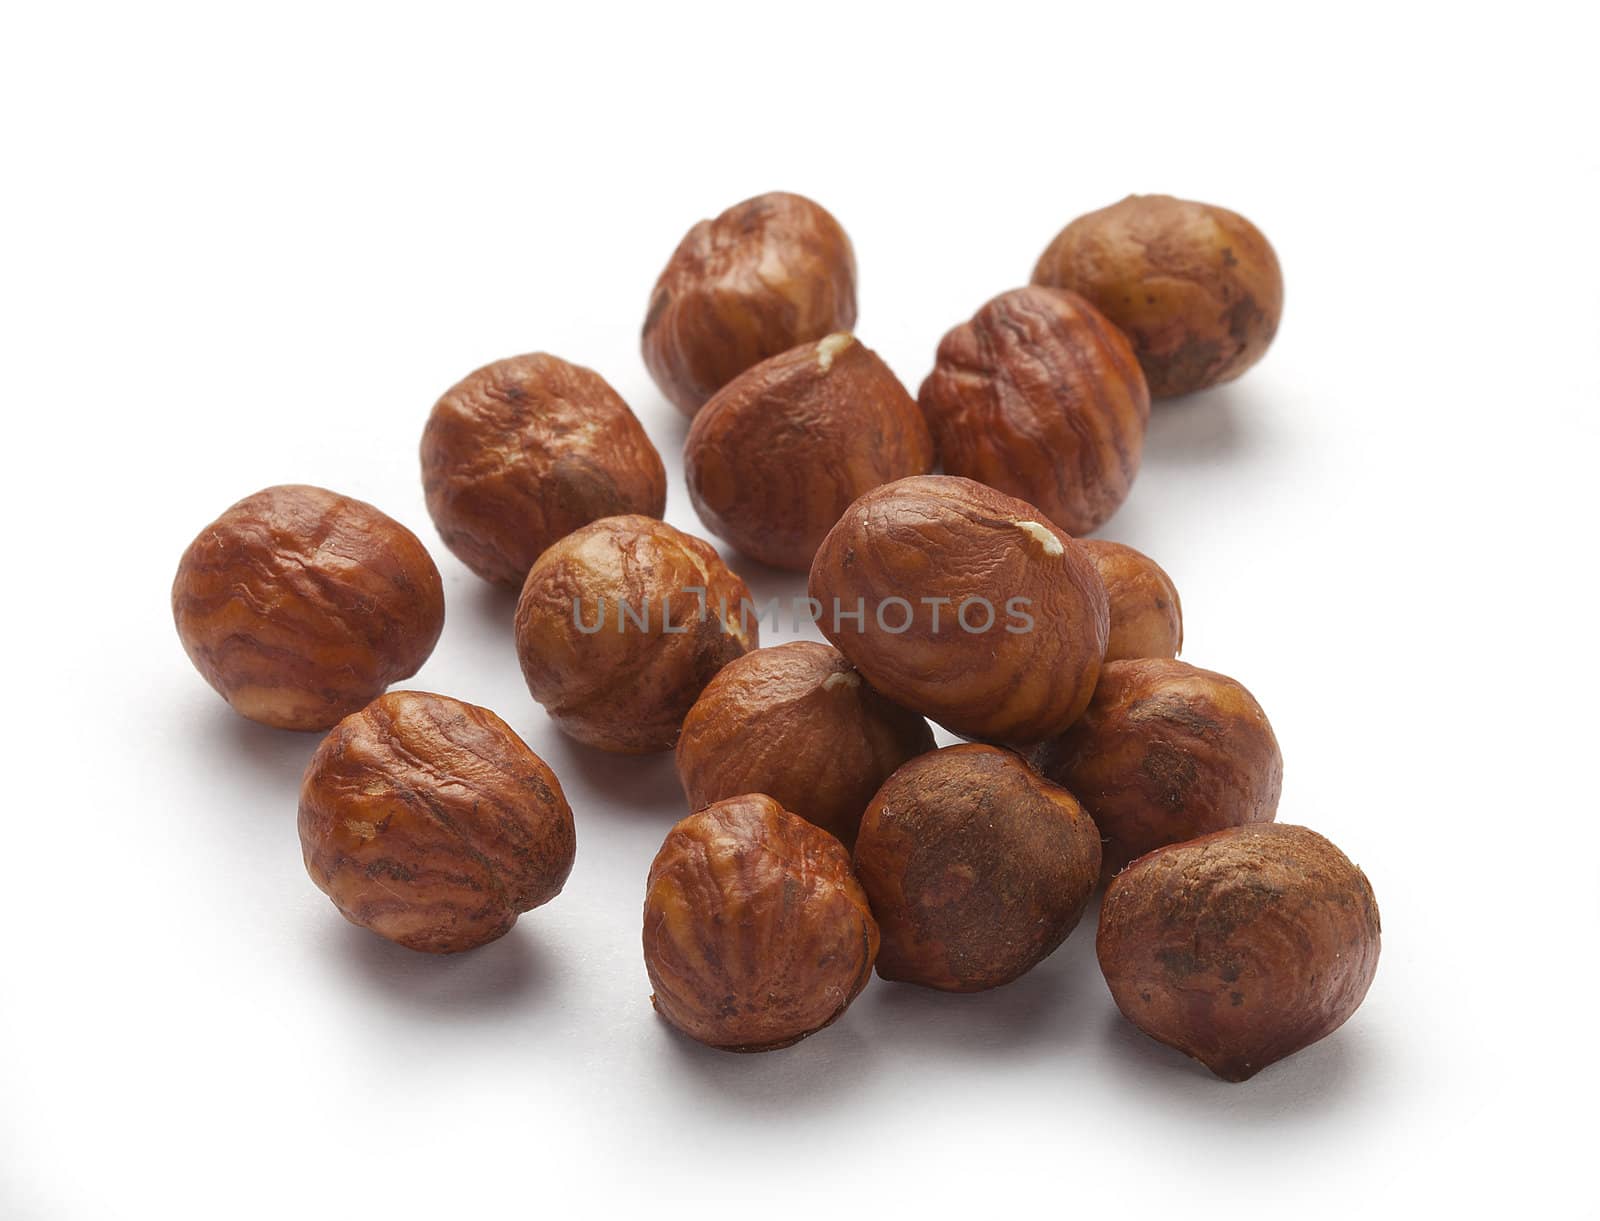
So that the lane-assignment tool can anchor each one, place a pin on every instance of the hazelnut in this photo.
(976, 868)
(964, 604)
(1039, 396)
(756, 933)
(1166, 752)
(622, 624)
(1146, 616)
(428, 821)
(780, 452)
(1197, 288)
(1241, 947)
(300, 605)
(526, 450)
(768, 274)
(798, 723)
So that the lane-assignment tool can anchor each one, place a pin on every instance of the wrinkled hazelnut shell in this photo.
(756, 933)
(798, 723)
(939, 537)
(1196, 288)
(976, 868)
(768, 274)
(1039, 396)
(1166, 752)
(622, 624)
(526, 450)
(428, 821)
(1146, 616)
(300, 605)
(1241, 947)
(778, 454)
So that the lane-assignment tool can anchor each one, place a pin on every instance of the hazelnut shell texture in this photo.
(428, 821)
(1241, 947)
(300, 605)
(767, 275)
(1166, 752)
(1196, 288)
(1041, 397)
(976, 868)
(1146, 615)
(778, 454)
(622, 624)
(918, 551)
(523, 452)
(756, 933)
(797, 722)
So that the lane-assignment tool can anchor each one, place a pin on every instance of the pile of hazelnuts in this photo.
(826, 835)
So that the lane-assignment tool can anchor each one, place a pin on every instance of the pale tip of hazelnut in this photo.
(830, 346)
(843, 678)
(1042, 535)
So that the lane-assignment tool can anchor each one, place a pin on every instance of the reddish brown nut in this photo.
(428, 821)
(1039, 396)
(300, 605)
(964, 604)
(1241, 947)
(756, 933)
(1146, 616)
(778, 454)
(1166, 752)
(622, 624)
(526, 450)
(798, 723)
(1197, 288)
(976, 868)
(768, 274)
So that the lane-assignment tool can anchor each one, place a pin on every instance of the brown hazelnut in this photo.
(975, 866)
(756, 933)
(780, 452)
(1146, 616)
(798, 723)
(964, 604)
(622, 624)
(1241, 947)
(768, 274)
(1197, 288)
(300, 605)
(526, 450)
(1039, 396)
(428, 821)
(1166, 752)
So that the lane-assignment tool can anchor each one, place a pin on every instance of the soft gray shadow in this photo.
(487, 980)
(276, 757)
(767, 583)
(1203, 429)
(646, 785)
(486, 609)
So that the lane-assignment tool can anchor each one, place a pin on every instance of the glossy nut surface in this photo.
(798, 723)
(1038, 395)
(976, 868)
(300, 605)
(622, 624)
(1146, 616)
(766, 275)
(428, 821)
(778, 454)
(522, 452)
(1242, 947)
(756, 933)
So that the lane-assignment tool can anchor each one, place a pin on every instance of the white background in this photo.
(250, 248)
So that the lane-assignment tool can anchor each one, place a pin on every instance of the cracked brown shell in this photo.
(767, 275)
(428, 821)
(1241, 947)
(1146, 616)
(798, 723)
(976, 868)
(778, 454)
(1004, 619)
(1196, 288)
(622, 624)
(523, 452)
(300, 605)
(1038, 395)
(1166, 752)
(756, 933)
